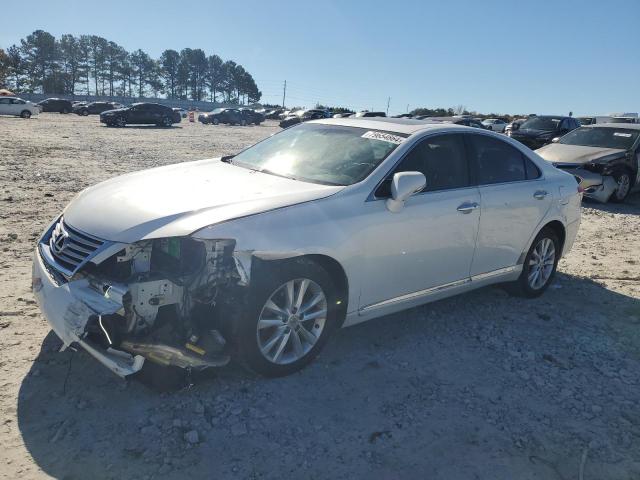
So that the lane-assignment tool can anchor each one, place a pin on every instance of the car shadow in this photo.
(146, 127)
(631, 205)
(390, 375)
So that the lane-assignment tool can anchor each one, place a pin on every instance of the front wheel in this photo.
(166, 122)
(25, 114)
(539, 266)
(292, 310)
(215, 121)
(84, 113)
(65, 110)
(120, 122)
(623, 179)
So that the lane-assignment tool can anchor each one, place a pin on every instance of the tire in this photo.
(166, 122)
(215, 121)
(243, 123)
(624, 180)
(65, 110)
(25, 114)
(258, 123)
(284, 355)
(524, 286)
(84, 113)
(120, 122)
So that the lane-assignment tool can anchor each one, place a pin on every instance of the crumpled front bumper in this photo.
(69, 306)
(596, 186)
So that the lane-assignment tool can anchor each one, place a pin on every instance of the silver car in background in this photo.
(326, 224)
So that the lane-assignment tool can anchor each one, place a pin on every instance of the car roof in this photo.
(632, 126)
(406, 126)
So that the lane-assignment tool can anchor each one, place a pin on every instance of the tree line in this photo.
(92, 65)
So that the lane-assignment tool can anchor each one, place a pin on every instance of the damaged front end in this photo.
(593, 179)
(154, 300)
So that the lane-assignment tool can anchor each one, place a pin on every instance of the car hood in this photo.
(179, 199)
(113, 110)
(575, 154)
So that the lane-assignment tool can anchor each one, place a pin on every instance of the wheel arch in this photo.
(556, 226)
(260, 266)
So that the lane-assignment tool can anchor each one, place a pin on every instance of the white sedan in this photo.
(495, 124)
(323, 225)
(18, 107)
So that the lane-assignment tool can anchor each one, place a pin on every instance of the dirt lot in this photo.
(482, 386)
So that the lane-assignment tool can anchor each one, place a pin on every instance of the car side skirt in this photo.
(409, 300)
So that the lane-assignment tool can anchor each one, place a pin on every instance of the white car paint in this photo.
(15, 106)
(439, 244)
(495, 124)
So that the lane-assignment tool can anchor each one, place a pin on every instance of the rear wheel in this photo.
(65, 110)
(290, 316)
(84, 113)
(25, 114)
(166, 122)
(120, 122)
(215, 121)
(623, 179)
(539, 266)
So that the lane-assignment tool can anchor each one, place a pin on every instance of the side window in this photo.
(5, 101)
(565, 125)
(18, 101)
(442, 160)
(532, 171)
(496, 161)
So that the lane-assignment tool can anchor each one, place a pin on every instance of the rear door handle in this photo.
(540, 194)
(467, 207)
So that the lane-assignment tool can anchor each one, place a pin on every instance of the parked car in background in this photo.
(513, 125)
(604, 158)
(593, 120)
(302, 116)
(58, 105)
(538, 131)
(342, 115)
(230, 116)
(367, 114)
(396, 214)
(625, 118)
(250, 116)
(182, 111)
(274, 114)
(141, 114)
(95, 108)
(495, 124)
(18, 107)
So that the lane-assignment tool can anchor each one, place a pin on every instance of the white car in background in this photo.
(326, 224)
(495, 124)
(18, 107)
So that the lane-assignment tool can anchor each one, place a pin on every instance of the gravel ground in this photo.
(482, 386)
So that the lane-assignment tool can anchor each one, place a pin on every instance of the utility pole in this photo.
(388, 101)
(284, 93)
(407, 108)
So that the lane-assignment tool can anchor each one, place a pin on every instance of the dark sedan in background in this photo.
(303, 116)
(230, 116)
(538, 131)
(251, 116)
(59, 105)
(94, 108)
(141, 114)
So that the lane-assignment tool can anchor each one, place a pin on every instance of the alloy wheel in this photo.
(291, 321)
(541, 263)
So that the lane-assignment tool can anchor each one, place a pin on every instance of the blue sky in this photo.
(491, 56)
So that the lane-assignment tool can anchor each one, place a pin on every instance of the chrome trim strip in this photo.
(411, 296)
(439, 288)
(493, 273)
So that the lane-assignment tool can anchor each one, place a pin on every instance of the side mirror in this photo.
(403, 185)
(555, 139)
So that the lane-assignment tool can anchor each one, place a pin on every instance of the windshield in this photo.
(541, 123)
(317, 153)
(217, 110)
(622, 138)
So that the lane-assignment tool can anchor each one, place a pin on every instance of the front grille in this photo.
(68, 248)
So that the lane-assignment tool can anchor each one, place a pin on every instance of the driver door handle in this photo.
(468, 207)
(540, 194)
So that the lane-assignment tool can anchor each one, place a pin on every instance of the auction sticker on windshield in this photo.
(385, 137)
